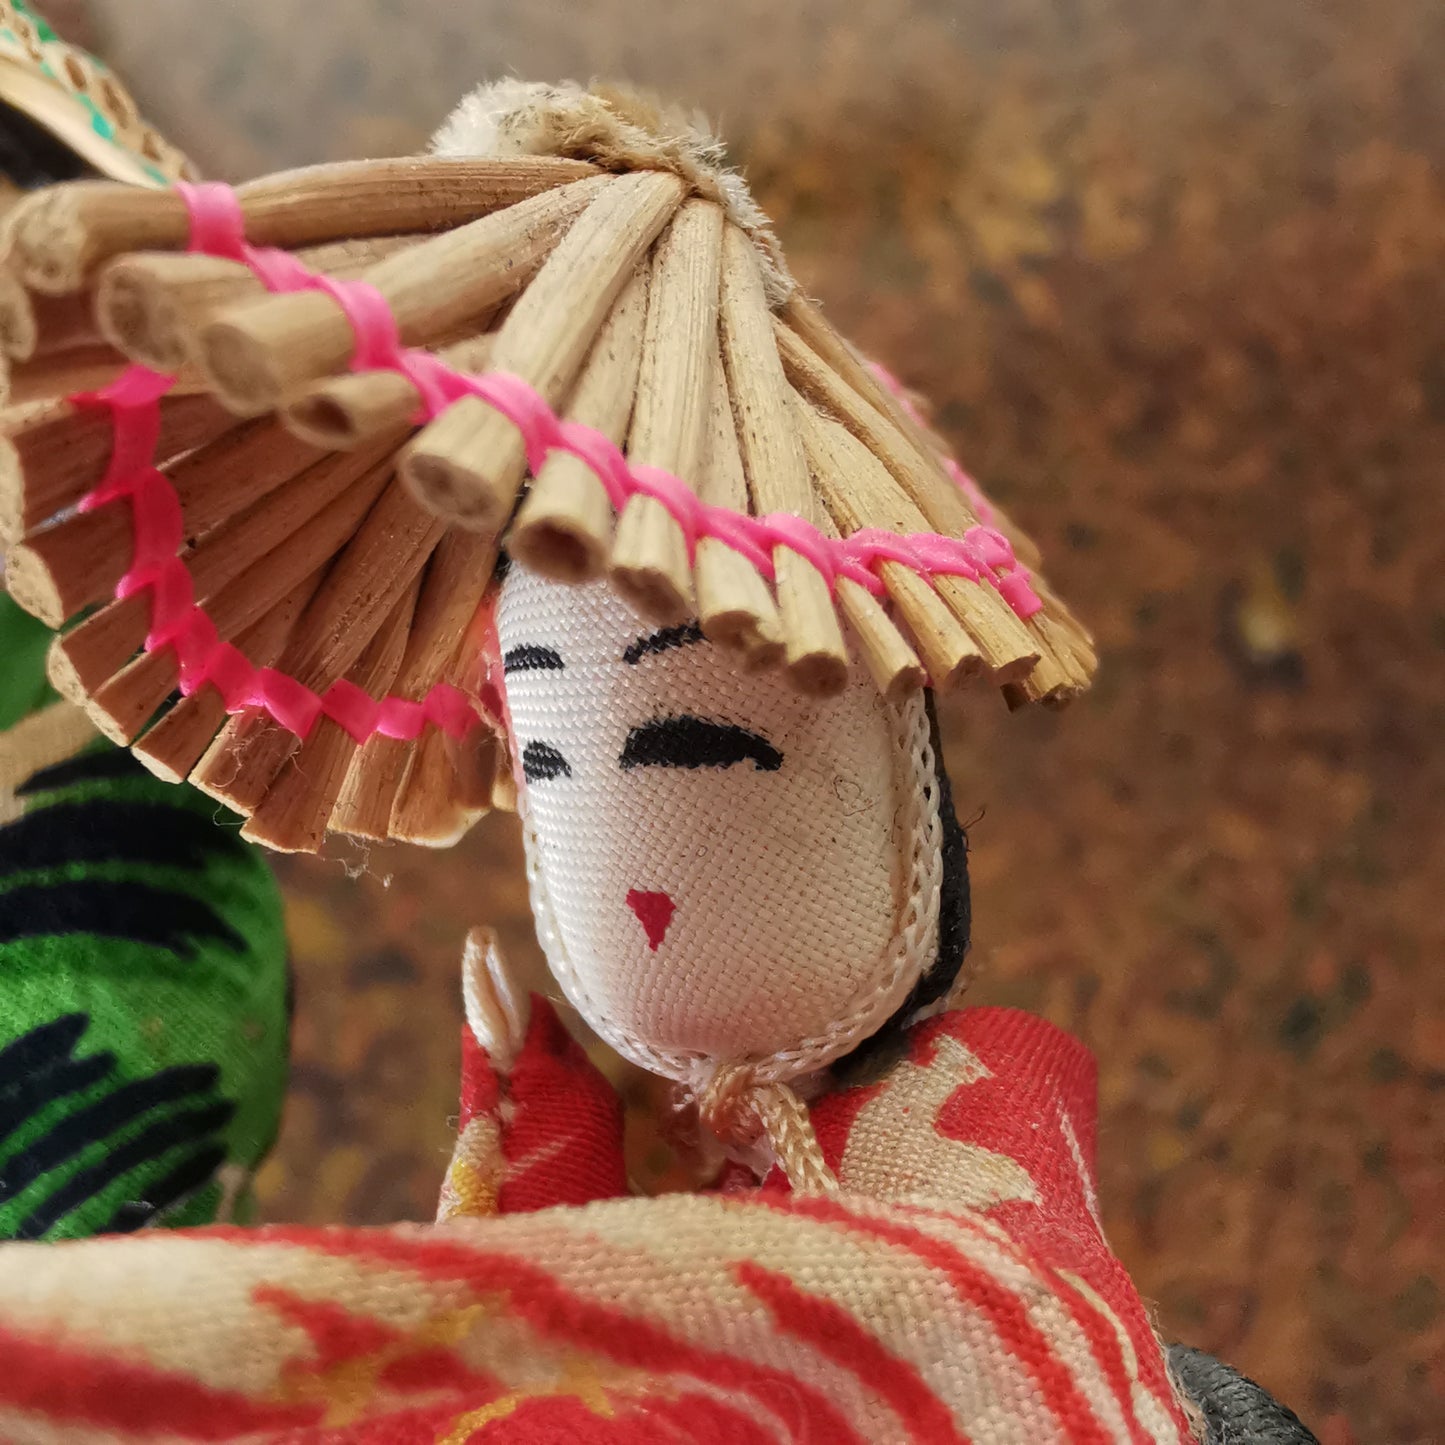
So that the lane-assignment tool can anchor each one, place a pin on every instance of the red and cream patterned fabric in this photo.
(958, 1290)
(547, 1131)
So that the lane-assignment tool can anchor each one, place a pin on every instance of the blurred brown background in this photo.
(1174, 274)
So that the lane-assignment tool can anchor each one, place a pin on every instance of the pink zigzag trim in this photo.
(982, 555)
(179, 623)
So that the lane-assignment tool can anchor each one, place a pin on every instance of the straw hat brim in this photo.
(341, 391)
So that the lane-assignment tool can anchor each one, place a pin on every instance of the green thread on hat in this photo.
(100, 123)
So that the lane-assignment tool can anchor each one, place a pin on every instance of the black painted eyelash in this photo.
(531, 657)
(693, 742)
(541, 762)
(685, 635)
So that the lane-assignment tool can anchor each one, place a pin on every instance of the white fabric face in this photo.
(722, 871)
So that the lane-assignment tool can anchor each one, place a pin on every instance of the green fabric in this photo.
(143, 1009)
(143, 1006)
(23, 643)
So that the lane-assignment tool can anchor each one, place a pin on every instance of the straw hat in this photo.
(569, 332)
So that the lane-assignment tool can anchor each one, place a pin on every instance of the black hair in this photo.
(31, 156)
(1236, 1411)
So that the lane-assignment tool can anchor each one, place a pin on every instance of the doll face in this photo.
(719, 865)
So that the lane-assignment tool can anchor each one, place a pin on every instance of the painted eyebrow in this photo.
(684, 635)
(531, 657)
(541, 762)
(694, 742)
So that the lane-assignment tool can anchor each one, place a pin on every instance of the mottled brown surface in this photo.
(1173, 274)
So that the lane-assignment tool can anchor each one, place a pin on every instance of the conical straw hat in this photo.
(569, 332)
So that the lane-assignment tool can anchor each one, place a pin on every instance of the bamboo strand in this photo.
(69, 566)
(953, 657)
(59, 236)
(217, 481)
(80, 660)
(565, 522)
(424, 812)
(261, 352)
(1068, 664)
(247, 537)
(293, 816)
(860, 492)
(813, 328)
(504, 789)
(17, 316)
(917, 473)
(1067, 639)
(59, 374)
(56, 453)
(449, 784)
(735, 608)
(650, 566)
(804, 317)
(122, 706)
(79, 560)
(345, 411)
(255, 561)
(171, 747)
(469, 462)
(456, 582)
(378, 564)
(776, 468)
(1049, 683)
(475, 760)
(891, 662)
(1009, 649)
(33, 326)
(150, 305)
(368, 792)
(433, 808)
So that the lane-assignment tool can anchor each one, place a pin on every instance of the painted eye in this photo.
(541, 762)
(693, 742)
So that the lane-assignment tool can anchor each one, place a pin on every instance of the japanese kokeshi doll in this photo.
(525, 472)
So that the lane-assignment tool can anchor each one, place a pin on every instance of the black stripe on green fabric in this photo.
(26, 1099)
(98, 1121)
(83, 768)
(189, 1175)
(112, 831)
(151, 1143)
(161, 917)
(41, 1047)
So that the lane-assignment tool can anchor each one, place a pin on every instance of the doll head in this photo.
(722, 871)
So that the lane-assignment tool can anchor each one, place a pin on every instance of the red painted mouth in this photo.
(654, 912)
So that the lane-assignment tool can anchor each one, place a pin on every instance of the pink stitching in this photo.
(217, 228)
